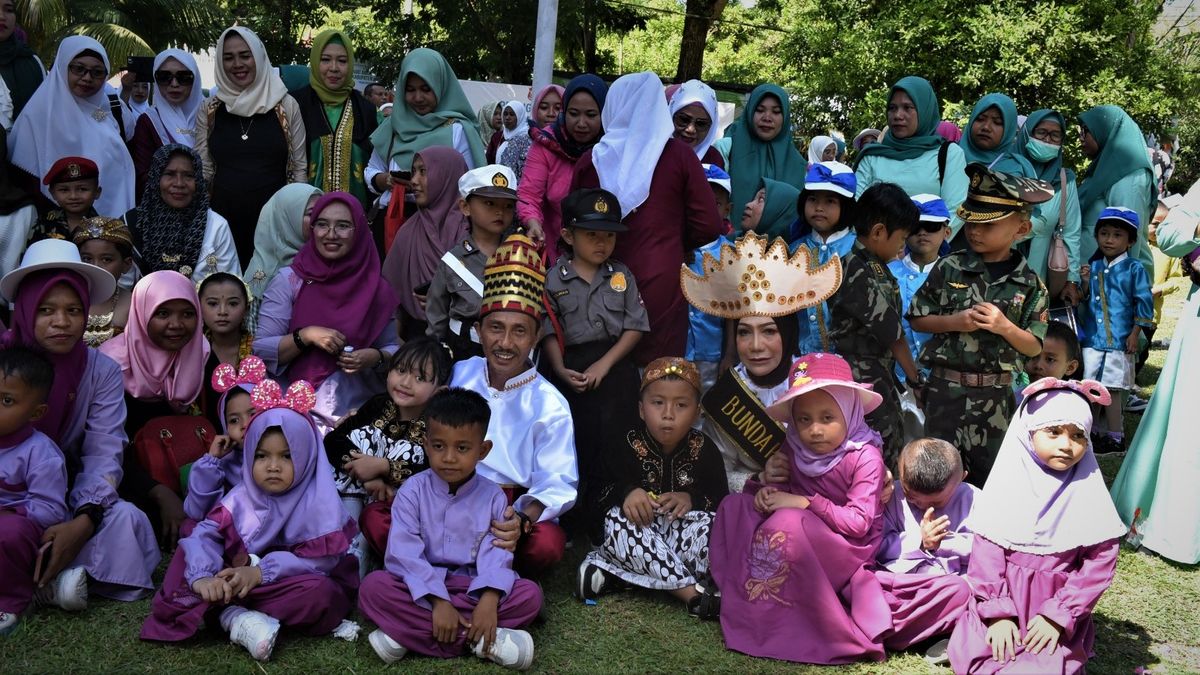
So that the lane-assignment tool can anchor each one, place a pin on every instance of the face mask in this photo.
(1040, 151)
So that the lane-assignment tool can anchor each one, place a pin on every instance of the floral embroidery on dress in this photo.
(768, 567)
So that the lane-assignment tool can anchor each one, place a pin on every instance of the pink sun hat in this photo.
(821, 371)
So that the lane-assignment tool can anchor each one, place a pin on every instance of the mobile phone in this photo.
(402, 175)
(421, 290)
(142, 68)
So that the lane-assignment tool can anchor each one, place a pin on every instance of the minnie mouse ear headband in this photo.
(1091, 390)
(821, 371)
(251, 372)
(268, 395)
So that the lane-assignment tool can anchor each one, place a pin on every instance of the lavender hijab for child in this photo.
(1025, 505)
(309, 514)
(858, 434)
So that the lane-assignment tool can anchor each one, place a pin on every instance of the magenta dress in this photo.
(795, 585)
(1063, 587)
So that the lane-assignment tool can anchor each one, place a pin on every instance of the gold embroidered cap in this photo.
(752, 279)
(514, 279)
(992, 195)
(108, 229)
(671, 366)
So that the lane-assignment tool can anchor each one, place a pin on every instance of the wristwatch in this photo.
(526, 523)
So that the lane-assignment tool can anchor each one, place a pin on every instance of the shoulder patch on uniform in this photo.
(955, 284)
(617, 282)
(559, 294)
(467, 246)
(877, 268)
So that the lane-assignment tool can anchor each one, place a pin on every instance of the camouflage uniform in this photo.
(974, 418)
(864, 322)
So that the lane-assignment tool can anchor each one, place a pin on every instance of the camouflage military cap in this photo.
(993, 194)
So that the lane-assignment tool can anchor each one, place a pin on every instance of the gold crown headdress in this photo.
(752, 279)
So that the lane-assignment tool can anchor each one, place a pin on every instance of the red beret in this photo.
(71, 168)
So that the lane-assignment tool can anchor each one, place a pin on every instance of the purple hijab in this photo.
(431, 231)
(858, 434)
(347, 294)
(1027, 506)
(308, 519)
(231, 464)
(69, 367)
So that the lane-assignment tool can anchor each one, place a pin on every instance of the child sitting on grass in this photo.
(383, 443)
(665, 482)
(446, 590)
(1046, 541)
(33, 480)
(273, 552)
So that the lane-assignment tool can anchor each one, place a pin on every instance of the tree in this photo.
(124, 27)
(281, 23)
(696, 25)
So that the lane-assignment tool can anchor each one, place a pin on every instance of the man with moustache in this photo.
(533, 442)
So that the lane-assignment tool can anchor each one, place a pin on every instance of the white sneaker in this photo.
(939, 653)
(256, 632)
(8, 623)
(388, 650)
(68, 591)
(512, 649)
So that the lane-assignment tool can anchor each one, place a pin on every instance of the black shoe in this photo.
(707, 605)
(590, 582)
(1103, 444)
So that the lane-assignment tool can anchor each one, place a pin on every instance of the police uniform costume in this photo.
(969, 399)
(587, 319)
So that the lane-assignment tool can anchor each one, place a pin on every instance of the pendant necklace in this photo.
(246, 129)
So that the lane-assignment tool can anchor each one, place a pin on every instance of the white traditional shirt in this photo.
(739, 466)
(533, 440)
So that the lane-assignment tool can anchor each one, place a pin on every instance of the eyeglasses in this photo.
(683, 121)
(184, 77)
(341, 230)
(79, 70)
(929, 226)
(1055, 137)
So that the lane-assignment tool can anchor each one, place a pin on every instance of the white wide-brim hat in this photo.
(57, 254)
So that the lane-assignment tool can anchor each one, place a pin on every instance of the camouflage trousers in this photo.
(886, 419)
(974, 419)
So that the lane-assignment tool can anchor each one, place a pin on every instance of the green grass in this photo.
(1149, 617)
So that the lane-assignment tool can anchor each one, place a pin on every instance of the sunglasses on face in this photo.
(683, 121)
(929, 226)
(183, 77)
(79, 70)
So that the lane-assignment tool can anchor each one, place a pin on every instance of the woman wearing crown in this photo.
(759, 292)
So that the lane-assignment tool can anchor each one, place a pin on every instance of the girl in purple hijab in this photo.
(1046, 541)
(274, 550)
(790, 561)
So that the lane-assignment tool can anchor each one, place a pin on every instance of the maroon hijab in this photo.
(431, 231)
(69, 367)
(347, 294)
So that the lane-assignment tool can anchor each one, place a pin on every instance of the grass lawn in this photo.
(1149, 617)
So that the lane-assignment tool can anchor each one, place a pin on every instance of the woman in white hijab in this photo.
(821, 149)
(694, 114)
(172, 118)
(250, 135)
(71, 114)
(515, 146)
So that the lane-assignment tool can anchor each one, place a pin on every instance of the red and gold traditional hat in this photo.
(514, 279)
(752, 279)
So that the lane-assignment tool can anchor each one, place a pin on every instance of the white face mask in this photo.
(1040, 151)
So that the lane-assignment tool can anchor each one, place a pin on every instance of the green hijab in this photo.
(278, 236)
(779, 209)
(929, 113)
(751, 159)
(405, 133)
(330, 96)
(1000, 158)
(1122, 152)
(1047, 171)
(20, 70)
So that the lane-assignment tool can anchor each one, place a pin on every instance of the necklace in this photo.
(246, 129)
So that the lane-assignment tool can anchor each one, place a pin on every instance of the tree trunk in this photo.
(699, 19)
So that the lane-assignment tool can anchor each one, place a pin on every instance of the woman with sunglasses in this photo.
(172, 118)
(694, 114)
(71, 114)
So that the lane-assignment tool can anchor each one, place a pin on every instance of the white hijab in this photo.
(264, 92)
(637, 126)
(816, 148)
(522, 128)
(695, 91)
(56, 124)
(176, 123)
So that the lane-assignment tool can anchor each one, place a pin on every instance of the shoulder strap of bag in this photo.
(1062, 200)
(942, 152)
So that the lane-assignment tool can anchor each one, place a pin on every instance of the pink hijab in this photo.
(537, 100)
(150, 372)
(949, 131)
(431, 231)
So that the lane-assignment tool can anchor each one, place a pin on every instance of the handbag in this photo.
(166, 446)
(1058, 263)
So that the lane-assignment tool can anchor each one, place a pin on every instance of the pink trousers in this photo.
(20, 539)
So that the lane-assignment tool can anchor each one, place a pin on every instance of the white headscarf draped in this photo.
(637, 126)
(816, 148)
(522, 128)
(56, 124)
(176, 123)
(695, 91)
(264, 92)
